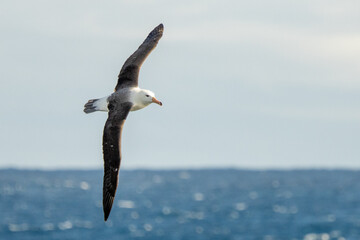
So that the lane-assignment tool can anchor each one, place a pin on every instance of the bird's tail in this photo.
(93, 105)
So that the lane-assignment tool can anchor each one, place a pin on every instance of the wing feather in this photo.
(129, 73)
(112, 152)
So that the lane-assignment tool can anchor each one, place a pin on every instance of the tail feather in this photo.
(94, 105)
(89, 107)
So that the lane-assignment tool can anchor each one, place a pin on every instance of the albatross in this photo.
(126, 97)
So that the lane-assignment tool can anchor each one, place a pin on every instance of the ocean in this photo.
(182, 205)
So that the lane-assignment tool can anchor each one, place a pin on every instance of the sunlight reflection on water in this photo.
(182, 205)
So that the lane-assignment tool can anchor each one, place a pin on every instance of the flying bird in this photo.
(126, 97)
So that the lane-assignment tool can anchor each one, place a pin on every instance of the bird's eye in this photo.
(147, 95)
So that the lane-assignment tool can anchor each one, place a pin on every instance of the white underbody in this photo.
(135, 97)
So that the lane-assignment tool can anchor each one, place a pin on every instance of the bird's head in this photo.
(148, 97)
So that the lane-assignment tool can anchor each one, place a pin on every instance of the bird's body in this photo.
(127, 97)
(131, 94)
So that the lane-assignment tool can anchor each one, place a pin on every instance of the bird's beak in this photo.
(154, 100)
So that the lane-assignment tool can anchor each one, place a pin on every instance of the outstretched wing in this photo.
(128, 76)
(112, 152)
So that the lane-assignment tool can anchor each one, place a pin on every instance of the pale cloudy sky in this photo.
(250, 84)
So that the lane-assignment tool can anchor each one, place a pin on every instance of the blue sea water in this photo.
(182, 204)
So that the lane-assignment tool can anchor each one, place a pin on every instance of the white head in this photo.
(143, 98)
(148, 97)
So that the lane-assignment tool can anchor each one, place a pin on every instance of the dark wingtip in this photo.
(106, 215)
(155, 34)
(159, 28)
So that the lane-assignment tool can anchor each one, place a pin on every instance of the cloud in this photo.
(253, 67)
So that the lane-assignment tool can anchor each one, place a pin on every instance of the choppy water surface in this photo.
(179, 205)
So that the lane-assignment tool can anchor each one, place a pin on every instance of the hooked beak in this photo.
(154, 100)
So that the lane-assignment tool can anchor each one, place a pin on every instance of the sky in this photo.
(245, 84)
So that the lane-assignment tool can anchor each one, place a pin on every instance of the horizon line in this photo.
(223, 168)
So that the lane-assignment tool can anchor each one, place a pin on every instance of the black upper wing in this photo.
(128, 76)
(112, 152)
